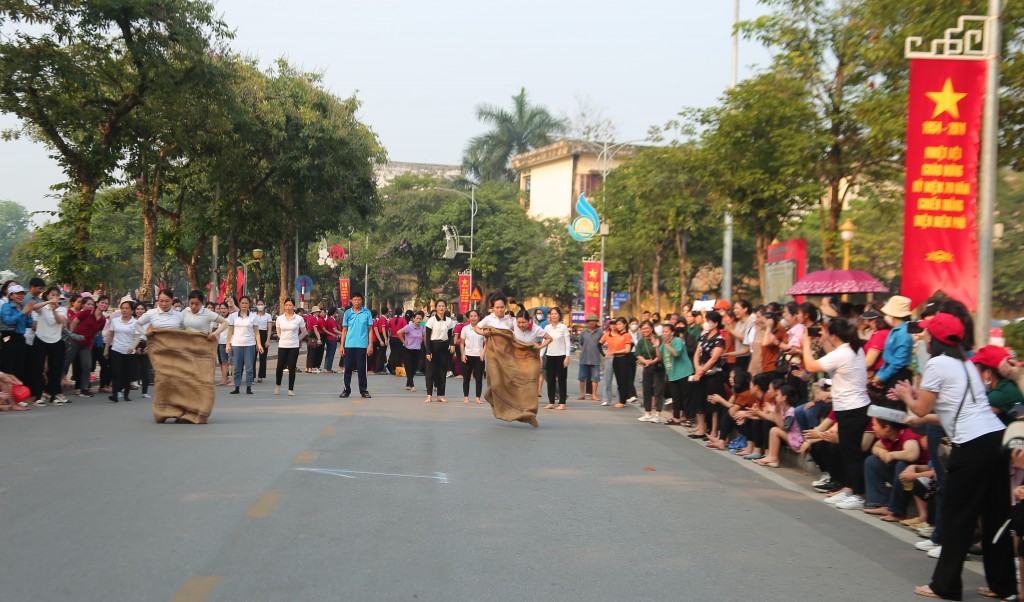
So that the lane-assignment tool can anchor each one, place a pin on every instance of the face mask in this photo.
(785, 323)
(260, 307)
(706, 327)
(633, 328)
(889, 320)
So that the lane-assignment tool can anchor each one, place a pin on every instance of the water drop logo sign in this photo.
(584, 227)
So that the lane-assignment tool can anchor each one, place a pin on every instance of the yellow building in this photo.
(552, 177)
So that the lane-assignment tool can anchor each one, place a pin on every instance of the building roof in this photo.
(565, 148)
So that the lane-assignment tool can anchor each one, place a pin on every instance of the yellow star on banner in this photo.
(946, 100)
(592, 274)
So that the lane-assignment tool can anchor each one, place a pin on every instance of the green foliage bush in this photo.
(1014, 335)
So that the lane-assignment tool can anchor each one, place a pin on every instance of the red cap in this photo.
(722, 304)
(991, 356)
(947, 328)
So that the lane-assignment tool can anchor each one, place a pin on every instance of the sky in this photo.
(420, 68)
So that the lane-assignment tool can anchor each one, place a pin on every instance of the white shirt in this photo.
(560, 344)
(242, 336)
(263, 320)
(474, 341)
(199, 322)
(288, 331)
(849, 378)
(47, 328)
(439, 328)
(121, 334)
(947, 377)
(534, 334)
(158, 318)
(492, 321)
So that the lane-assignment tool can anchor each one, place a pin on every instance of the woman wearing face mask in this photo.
(265, 323)
(648, 356)
(708, 377)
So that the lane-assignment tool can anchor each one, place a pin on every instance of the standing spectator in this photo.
(290, 330)
(708, 376)
(118, 337)
(243, 343)
(142, 363)
(473, 347)
(648, 356)
(898, 356)
(48, 349)
(16, 315)
(411, 336)
(440, 343)
(356, 344)
(743, 332)
(331, 334)
(87, 324)
(381, 346)
(977, 483)
(396, 324)
(556, 358)
(619, 346)
(222, 345)
(265, 323)
(678, 370)
(590, 359)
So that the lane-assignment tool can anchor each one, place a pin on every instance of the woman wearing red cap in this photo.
(977, 485)
(1003, 393)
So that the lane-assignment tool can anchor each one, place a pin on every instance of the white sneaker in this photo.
(291, 393)
(935, 552)
(631, 399)
(277, 390)
(824, 480)
(837, 498)
(926, 545)
(657, 420)
(606, 403)
(145, 395)
(668, 402)
(852, 502)
(646, 418)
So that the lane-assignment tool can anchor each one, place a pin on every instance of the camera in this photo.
(914, 327)
(814, 331)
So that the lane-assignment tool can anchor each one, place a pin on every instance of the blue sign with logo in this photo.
(618, 299)
(584, 227)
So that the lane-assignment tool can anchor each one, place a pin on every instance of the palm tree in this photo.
(526, 127)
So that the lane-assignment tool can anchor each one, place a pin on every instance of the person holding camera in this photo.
(898, 355)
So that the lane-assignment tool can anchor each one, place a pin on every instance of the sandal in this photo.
(479, 402)
(984, 591)
(764, 462)
(926, 591)
(892, 518)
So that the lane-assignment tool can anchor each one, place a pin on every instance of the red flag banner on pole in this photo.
(940, 234)
(592, 288)
(464, 293)
(343, 291)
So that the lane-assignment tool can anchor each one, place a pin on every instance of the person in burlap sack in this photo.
(513, 368)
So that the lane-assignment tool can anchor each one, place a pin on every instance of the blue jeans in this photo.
(609, 373)
(332, 348)
(876, 475)
(244, 359)
(807, 416)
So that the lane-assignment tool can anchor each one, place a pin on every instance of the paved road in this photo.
(317, 498)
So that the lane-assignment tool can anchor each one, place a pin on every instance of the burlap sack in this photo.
(183, 361)
(512, 371)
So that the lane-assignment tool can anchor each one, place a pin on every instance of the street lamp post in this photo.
(846, 232)
(257, 257)
(472, 226)
(603, 158)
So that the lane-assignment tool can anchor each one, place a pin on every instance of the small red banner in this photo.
(592, 287)
(940, 234)
(343, 291)
(464, 293)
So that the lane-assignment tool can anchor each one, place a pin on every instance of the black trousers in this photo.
(757, 432)
(144, 369)
(264, 336)
(411, 357)
(122, 369)
(381, 351)
(48, 357)
(474, 368)
(624, 371)
(679, 391)
(632, 375)
(977, 488)
(852, 424)
(14, 357)
(712, 383)
(355, 359)
(98, 359)
(653, 385)
(556, 373)
(396, 356)
(437, 367)
(287, 358)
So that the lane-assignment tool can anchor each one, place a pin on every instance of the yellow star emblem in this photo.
(946, 100)
(592, 274)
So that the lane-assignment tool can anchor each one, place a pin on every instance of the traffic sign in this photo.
(618, 299)
(303, 284)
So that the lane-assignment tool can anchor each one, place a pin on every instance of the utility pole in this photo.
(727, 236)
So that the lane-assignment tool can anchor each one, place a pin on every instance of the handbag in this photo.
(945, 447)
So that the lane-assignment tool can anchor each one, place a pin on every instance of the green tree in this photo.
(15, 228)
(78, 74)
(524, 128)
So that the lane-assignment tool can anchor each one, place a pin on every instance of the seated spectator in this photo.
(742, 398)
(786, 429)
(895, 448)
(751, 420)
(822, 442)
(921, 479)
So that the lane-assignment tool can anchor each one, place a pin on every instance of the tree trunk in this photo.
(149, 223)
(191, 264)
(83, 228)
(230, 281)
(655, 276)
(282, 277)
(682, 239)
(762, 242)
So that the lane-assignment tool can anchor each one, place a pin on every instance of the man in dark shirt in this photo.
(591, 356)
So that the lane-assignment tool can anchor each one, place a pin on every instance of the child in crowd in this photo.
(785, 429)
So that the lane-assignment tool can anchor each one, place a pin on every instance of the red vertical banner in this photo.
(343, 292)
(940, 233)
(464, 293)
(592, 288)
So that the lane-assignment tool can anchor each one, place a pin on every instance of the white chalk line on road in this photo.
(440, 477)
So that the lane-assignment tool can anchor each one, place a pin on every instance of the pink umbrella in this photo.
(837, 282)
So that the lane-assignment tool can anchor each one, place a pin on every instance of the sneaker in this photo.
(606, 403)
(935, 552)
(291, 393)
(852, 502)
(657, 420)
(42, 401)
(926, 532)
(631, 399)
(277, 390)
(646, 418)
(926, 545)
(85, 394)
(824, 480)
(837, 498)
(668, 402)
(145, 395)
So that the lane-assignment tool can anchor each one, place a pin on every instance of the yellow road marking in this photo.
(264, 504)
(328, 431)
(306, 457)
(196, 589)
(345, 414)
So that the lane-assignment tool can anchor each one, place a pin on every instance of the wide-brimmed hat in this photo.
(315, 308)
(991, 356)
(897, 307)
(1013, 436)
(947, 328)
(829, 310)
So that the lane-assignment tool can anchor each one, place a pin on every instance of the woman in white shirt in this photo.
(556, 361)
(472, 346)
(439, 343)
(243, 343)
(222, 345)
(200, 319)
(118, 339)
(528, 333)
(497, 318)
(49, 347)
(291, 329)
(161, 316)
(265, 322)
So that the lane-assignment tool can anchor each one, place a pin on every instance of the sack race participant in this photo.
(512, 371)
(182, 360)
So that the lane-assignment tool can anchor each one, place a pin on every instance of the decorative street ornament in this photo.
(325, 258)
(584, 227)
